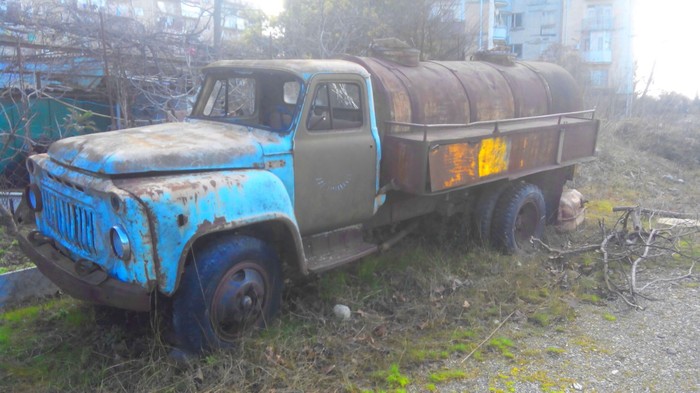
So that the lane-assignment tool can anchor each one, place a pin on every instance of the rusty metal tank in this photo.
(459, 92)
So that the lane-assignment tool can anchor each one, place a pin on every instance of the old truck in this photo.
(299, 166)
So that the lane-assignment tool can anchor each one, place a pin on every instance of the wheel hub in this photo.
(246, 303)
(239, 300)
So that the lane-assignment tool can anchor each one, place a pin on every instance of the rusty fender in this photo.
(183, 208)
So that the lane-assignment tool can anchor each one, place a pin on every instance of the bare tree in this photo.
(56, 52)
(326, 28)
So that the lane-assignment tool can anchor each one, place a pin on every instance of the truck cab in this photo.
(321, 114)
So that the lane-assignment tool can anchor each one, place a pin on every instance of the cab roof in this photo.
(302, 68)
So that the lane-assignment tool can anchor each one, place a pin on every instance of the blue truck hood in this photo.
(165, 147)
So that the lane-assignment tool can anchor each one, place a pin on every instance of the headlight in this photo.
(32, 196)
(115, 201)
(120, 242)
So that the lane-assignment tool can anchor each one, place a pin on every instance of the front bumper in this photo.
(95, 286)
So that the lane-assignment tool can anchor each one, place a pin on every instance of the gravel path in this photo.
(653, 350)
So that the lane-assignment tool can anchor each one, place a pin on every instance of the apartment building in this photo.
(533, 26)
(599, 30)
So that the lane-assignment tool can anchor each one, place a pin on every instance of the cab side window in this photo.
(336, 106)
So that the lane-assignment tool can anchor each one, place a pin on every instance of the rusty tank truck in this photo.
(306, 164)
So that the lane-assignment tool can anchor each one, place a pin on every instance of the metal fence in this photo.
(10, 200)
(13, 173)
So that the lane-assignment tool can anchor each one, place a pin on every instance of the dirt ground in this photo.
(607, 348)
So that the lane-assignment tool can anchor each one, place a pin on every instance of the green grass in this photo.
(600, 209)
(555, 351)
(609, 317)
(447, 375)
(541, 319)
(393, 377)
(503, 345)
(39, 345)
(590, 298)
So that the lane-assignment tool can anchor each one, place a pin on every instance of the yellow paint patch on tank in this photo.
(493, 156)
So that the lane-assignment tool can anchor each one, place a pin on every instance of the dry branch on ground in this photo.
(639, 238)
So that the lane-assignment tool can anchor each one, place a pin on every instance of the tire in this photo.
(483, 212)
(230, 286)
(520, 214)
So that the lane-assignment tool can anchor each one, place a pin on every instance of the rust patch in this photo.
(453, 165)
(273, 164)
(534, 149)
(208, 226)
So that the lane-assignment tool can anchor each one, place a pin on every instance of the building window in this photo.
(599, 17)
(548, 26)
(599, 78)
(168, 7)
(597, 46)
(517, 49)
(190, 11)
(548, 30)
(516, 20)
(234, 22)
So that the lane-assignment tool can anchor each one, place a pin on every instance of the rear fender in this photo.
(183, 208)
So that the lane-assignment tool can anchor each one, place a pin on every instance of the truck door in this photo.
(335, 156)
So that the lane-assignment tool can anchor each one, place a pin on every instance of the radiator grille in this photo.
(73, 223)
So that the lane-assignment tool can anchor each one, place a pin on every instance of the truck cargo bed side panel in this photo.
(440, 160)
(579, 142)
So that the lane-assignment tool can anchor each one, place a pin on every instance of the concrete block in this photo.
(25, 284)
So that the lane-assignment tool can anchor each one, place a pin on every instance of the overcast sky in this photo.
(665, 33)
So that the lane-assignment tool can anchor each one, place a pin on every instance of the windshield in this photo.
(259, 99)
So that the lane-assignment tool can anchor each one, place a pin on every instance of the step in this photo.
(328, 250)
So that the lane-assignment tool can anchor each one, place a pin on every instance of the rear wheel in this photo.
(519, 215)
(483, 211)
(231, 285)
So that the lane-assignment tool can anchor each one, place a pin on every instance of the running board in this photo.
(327, 250)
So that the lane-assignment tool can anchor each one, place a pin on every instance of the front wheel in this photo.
(231, 285)
(519, 215)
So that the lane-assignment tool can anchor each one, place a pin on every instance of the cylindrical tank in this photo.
(460, 92)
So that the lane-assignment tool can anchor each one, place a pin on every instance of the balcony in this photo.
(500, 33)
(600, 23)
(598, 56)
